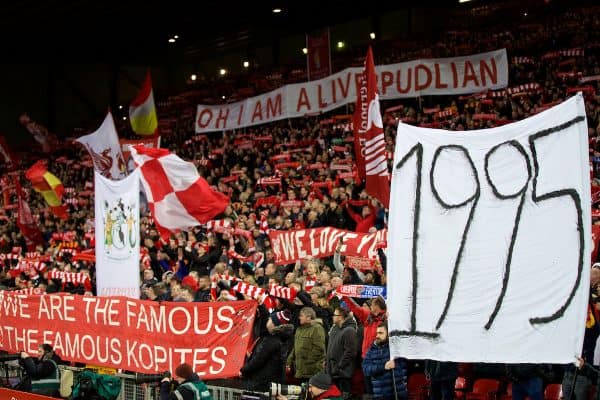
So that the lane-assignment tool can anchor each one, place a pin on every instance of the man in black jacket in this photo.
(266, 362)
(42, 374)
(342, 350)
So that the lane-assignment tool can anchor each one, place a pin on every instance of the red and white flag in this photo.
(178, 197)
(105, 150)
(369, 141)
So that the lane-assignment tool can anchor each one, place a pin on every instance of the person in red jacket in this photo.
(366, 219)
(370, 319)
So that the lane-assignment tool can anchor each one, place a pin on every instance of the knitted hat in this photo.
(184, 371)
(191, 282)
(320, 380)
(280, 317)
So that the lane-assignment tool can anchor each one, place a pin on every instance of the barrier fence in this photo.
(133, 386)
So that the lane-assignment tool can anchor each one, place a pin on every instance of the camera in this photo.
(9, 357)
(151, 378)
(292, 392)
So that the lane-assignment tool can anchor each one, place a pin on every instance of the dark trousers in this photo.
(442, 390)
(344, 384)
(532, 388)
(582, 386)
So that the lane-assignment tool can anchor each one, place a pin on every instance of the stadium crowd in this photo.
(318, 330)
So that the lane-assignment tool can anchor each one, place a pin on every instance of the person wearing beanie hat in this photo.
(191, 282)
(320, 380)
(278, 318)
(320, 387)
(189, 386)
(265, 363)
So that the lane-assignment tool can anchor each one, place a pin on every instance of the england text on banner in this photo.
(442, 76)
(135, 335)
(489, 239)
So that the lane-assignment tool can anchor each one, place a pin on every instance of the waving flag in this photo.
(105, 150)
(178, 197)
(40, 133)
(6, 155)
(142, 112)
(49, 186)
(25, 221)
(369, 142)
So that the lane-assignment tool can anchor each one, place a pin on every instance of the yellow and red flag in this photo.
(49, 186)
(142, 112)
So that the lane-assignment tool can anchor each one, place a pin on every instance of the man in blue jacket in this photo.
(388, 377)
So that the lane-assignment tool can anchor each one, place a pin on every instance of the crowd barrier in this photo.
(131, 387)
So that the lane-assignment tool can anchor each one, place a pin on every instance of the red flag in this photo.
(7, 157)
(40, 133)
(26, 222)
(318, 56)
(369, 141)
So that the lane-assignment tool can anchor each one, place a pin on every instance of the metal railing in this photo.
(10, 373)
(131, 389)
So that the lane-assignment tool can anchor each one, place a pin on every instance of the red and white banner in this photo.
(10, 394)
(318, 55)
(369, 143)
(360, 263)
(135, 335)
(291, 246)
(443, 76)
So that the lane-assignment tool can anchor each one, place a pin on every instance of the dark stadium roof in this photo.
(138, 31)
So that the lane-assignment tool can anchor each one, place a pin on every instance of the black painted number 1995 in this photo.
(472, 199)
